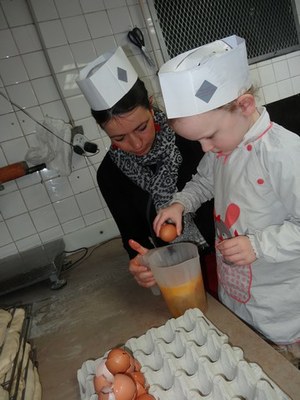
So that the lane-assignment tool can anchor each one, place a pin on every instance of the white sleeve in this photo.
(279, 243)
(200, 188)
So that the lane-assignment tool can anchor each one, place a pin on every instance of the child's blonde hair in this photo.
(232, 106)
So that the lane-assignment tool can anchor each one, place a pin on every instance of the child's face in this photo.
(219, 131)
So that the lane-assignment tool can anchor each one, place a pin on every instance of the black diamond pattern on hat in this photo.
(122, 74)
(206, 91)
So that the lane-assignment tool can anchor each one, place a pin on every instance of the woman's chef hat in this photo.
(107, 79)
(205, 78)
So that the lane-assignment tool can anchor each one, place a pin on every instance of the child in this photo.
(251, 168)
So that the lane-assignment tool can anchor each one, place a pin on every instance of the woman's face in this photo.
(133, 132)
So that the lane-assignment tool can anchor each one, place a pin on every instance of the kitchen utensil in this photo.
(176, 269)
(137, 38)
(16, 170)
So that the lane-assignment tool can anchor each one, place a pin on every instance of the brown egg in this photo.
(131, 367)
(124, 387)
(137, 365)
(138, 376)
(146, 396)
(101, 369)
(118, 361)
(140, 389)
(168, 232)
(100, 382)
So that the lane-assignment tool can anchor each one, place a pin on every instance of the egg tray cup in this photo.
(188, 358)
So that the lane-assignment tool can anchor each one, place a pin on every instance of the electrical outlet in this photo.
(79, 140)
(81, 144)
(78, 143)
(76, 130)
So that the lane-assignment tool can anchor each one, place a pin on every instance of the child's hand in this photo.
(237, 250)
(172, 213)
(142, 274)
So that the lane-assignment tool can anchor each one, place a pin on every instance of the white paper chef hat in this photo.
(205, 78)
(107, 79)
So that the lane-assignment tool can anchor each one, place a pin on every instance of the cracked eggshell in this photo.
(106, 396)
(101, 382)
(138, 376)
(140, 389)
(101, 369)
(124, 387)
(118, 361)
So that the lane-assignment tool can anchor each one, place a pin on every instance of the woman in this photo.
(145, 165)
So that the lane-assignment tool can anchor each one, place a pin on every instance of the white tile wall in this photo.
(35, 196)
(27, 124)
(68, 8)
(59, 188)
(20, 226)
(76, 29)
(22, 94)
(98, 24)
(5, 106)
(45, 90)
(26, 38)
(12, 204)
(53, 33)
(44, 206)
(120, 19)
(12, 70)
(15, 150)
(44, 218)
(28, 243)
(61, 58)
(67, 209)
(16, 12)
(83, 53)
(10, 127)
(36, 64)
(3, 23)
(67, 83)
(5, 236)
(8, 46)
(92, 5)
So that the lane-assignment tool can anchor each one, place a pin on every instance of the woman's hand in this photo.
(237, 250)
(172, 213)
(142, 274)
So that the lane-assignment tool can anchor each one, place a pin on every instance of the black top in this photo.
(132, 208)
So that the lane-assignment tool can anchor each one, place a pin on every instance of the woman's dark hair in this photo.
(137, 96)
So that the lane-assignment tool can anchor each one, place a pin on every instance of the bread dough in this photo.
(30, 384)
(17, 320)
(25, 356)
(5, 318)
(9, 351)
(11, 340)
(38, 387)
(4, 395)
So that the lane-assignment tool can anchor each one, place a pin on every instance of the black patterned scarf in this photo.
(157, 173)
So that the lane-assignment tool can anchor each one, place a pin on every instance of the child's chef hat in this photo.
(107, 79)
(205, 78)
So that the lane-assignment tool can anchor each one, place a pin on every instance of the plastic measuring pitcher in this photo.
(176, 269)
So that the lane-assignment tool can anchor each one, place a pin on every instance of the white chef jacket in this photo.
(257, 193)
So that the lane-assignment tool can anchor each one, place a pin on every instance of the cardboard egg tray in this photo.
(188, 358)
